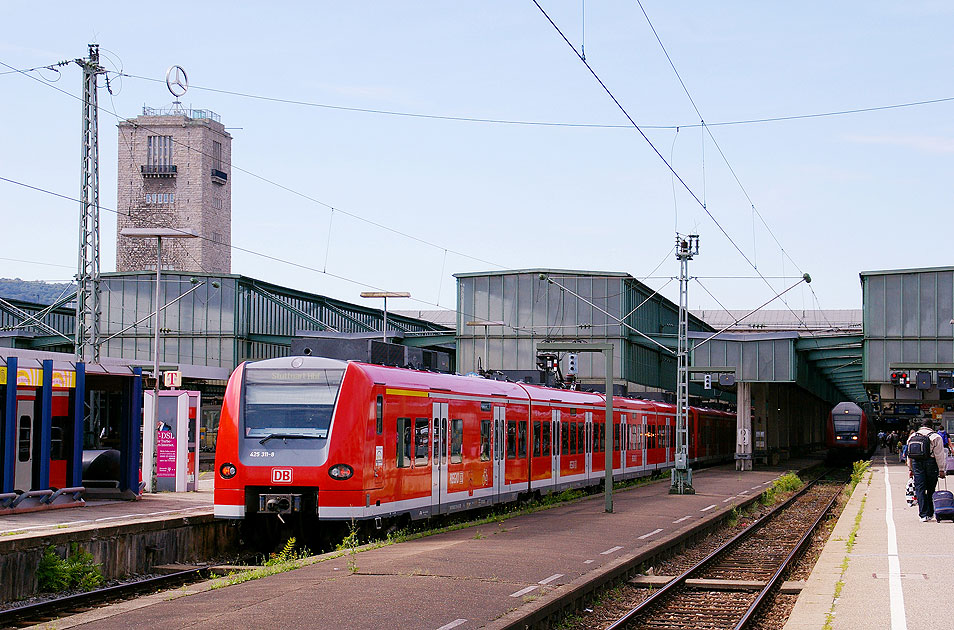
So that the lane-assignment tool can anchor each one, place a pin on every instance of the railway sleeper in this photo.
(793, 587)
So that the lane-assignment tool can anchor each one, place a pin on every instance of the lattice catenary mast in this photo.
(86, 344)
(686, 248)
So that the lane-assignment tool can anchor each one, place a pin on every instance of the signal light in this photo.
(895, 378)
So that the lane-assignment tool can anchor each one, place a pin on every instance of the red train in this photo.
(310, 437)
(850, 432)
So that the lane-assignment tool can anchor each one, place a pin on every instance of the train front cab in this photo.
(845, 427)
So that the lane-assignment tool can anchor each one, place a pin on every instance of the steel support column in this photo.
(9, 455)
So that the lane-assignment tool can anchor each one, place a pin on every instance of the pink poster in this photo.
(165, 454)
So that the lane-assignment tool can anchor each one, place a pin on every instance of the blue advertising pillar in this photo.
(41, 460)
(9, 454)
(74, 472)
(130, 432)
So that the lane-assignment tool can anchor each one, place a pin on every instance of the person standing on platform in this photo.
(927, 460)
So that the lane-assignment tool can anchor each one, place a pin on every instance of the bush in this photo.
(76, 571)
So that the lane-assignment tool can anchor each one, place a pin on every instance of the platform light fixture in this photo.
(385, 295)
(158, 234)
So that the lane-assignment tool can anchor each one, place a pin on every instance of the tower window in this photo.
(159, 150)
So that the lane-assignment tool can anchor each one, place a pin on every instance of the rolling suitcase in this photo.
(943, 504)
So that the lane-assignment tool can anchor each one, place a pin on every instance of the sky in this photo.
(417, 198)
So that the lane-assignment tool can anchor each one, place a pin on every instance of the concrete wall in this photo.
(123, 550)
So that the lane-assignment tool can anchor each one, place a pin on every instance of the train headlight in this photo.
(341, 472)
(227, 471)
(854, 437)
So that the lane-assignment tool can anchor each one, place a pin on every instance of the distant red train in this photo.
(310, 438)
(850, 432)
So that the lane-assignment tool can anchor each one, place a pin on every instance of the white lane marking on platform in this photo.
(756, 487)
(524, 591)
(898, 621)
(453, 624)
(112, 518)
(652, 533)
(587, 562)
(684, 518)
(727, 500)
(706, 509)
(610, 550)
(555, 576)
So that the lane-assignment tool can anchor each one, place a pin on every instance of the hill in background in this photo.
(35, 291)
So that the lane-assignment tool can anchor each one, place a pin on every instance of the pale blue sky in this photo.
(842, 194)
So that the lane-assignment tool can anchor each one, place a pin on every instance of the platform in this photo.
(483, 576)
(898, 574)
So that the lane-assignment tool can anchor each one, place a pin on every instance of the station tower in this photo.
(173, 171)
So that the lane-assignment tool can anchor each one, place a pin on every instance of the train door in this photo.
(439, 457)
(378, 442)
(643, 435)
(23, 469)
(555, 451)
(588, 432)
(623, 441)
(499, 441)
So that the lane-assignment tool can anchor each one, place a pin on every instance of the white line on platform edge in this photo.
(610, 550)
(587, 562)
(727, 500)
(555, 576)
(652, 533)
(684, 518)
(524, 591)
(453, 624)
(898, 621)
(706, 509)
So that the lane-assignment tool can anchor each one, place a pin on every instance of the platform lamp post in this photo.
(486, 326)
(158, 234)
(385, 295)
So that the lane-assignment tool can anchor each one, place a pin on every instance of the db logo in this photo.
(281, 475)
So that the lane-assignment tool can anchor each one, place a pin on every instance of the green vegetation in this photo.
(285, 560)
(349, 545)
(76, 571)
(858, 470)
(789, 482)
(35, 291)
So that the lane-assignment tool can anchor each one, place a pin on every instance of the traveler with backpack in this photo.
(927, 460)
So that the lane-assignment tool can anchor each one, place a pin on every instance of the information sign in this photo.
(165, 454)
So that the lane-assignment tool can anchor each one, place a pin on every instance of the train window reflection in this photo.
(521, 439)
(421, 435)
(25, 441)
(511, 439)
(457, 441)
(485, 440)
(403, 442)
(290, 402)
(545, 439)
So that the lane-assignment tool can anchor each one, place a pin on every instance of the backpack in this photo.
(919, 447)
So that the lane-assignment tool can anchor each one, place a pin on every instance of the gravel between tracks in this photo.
(614, 603)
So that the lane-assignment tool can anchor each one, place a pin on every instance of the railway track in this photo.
(40, 612)
(726, 589)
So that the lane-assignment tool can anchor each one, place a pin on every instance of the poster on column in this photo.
(165, 454)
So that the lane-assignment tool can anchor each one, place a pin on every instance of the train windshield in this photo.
(847, 423)
(290, 403)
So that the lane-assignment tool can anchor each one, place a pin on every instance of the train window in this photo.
(379, 414)
(603, 438)
(457, 441)
(537, 431)
(545, 439)
(572, 428)
(403, 442)
(511, 439)
(521, 439)
(581, 437)
(485, 440)
(616, 429)
(24, 445)
(57, 430)
(298, 405)
(565, 432)
(420, 441)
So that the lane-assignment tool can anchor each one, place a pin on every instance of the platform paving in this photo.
(898, 574)
(468, 578)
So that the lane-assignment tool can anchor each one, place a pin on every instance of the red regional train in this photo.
(306, 438)
(849, 432)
